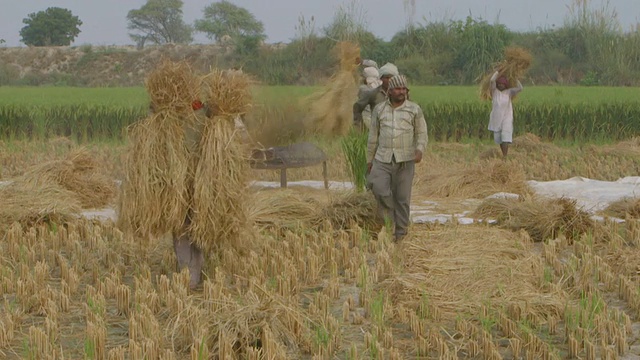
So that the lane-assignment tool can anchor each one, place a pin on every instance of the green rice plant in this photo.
(376, 308)
(354, 147)
(89, 349)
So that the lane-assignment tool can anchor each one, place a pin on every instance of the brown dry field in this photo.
(305, 285)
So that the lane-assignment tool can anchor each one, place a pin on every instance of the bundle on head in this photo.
(330, 110)
(514, 66)
(159, 167)
(227, 92)
(78, 173)
(172, 86)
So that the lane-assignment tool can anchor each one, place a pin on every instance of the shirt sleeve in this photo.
(517, 89)
(420, 131)
(492, 81)
(360, 105)
(374, 132)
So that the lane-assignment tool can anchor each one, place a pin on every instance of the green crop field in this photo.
(454, 113)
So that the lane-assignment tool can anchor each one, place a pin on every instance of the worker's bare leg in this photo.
(505, 149)
(190, 256)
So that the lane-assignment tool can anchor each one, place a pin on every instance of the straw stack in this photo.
(514, 66)
(330, 109)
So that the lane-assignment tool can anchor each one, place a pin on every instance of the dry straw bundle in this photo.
(514, 66)
(219, 212)
(283, 208)
(78, 173)
(227, 92)
(220, 185)
(155, 191)
(542, 218)
(349, 208)
(172, 86)
(330, 110)
(158, 169)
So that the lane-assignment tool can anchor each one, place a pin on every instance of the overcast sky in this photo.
(104, 21)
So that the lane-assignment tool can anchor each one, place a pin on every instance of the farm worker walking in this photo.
(501, 118)
(373, 97)
(397, 140)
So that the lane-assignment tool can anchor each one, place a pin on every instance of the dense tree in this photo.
(52, 27)
(159, 22)
(224, 18)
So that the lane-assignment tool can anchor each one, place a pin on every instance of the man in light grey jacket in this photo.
(397, 140)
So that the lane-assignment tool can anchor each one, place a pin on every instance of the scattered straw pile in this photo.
(78, 173)
(629, 147)
(542, 218)
(290, 208)
(515, 64)
(31, 203)
(186, 170)
(330, 110)
(478, 181)
(531, 142)
(456, 271)
(624, 207)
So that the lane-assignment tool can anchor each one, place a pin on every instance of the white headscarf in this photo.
(388, 69)
(372, 77)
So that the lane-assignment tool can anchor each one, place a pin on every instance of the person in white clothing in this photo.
(501, 118)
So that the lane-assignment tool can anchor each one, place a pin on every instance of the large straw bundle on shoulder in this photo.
(514, 66)
(78, 173)
(156, 189)
(220, 185)
(330, 110)
(30, 203)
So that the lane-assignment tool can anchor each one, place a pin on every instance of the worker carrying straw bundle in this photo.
(502, 86)
(185, 174)
(329, 110)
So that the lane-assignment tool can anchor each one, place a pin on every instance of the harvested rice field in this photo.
(311, 275)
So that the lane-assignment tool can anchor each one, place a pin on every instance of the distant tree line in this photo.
(590, 48)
